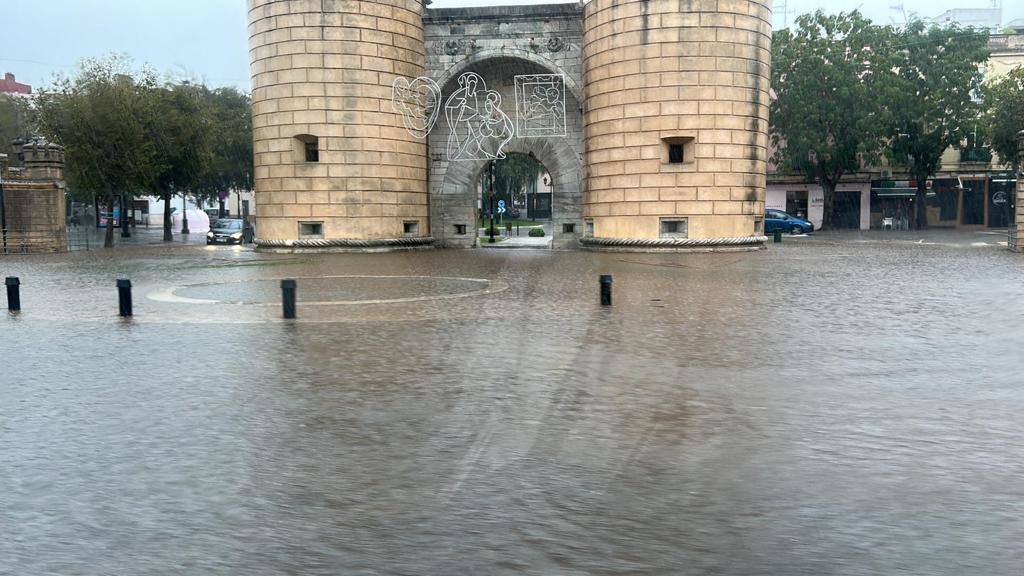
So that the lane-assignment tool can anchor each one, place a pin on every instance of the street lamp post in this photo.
(125, 231)
(3, 201)
(184, 214)
(490, 232)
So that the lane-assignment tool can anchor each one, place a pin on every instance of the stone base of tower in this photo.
(347, 245)
(737, 244)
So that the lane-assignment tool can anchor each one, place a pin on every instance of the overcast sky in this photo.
(206, 39)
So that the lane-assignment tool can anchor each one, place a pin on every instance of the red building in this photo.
(8, 85)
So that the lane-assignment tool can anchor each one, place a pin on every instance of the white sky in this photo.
(206, 39)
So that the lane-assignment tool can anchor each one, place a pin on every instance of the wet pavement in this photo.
(838, 404)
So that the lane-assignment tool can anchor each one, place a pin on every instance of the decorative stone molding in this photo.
(395, 243)
(681, 244)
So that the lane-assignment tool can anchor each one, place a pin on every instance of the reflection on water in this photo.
(810, 410)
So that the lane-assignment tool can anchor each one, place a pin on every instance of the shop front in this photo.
(850, 207)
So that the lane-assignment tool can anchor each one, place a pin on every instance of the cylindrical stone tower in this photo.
(676, 119)
(335, 164)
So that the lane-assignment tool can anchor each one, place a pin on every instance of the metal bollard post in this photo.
(778, 236)
(288, 298)
(13, 294)
(606, 290)
(124, 297)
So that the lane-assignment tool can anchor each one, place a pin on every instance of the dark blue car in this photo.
(779, 220)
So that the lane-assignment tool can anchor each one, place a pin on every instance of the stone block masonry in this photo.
(666, 138)
(676, 117)
(333, 161)
(34, 202)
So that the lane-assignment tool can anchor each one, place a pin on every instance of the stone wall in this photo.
(692, 74)
(498, 43)
(642, 76)
(322, 74)
(34, 201)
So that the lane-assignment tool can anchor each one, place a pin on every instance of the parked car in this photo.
(779, 220)
(229, 231)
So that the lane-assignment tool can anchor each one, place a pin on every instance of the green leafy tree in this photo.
(514, 176)
(101, 116)
(14, 120)
(181, 129)
(938, 76)
(1004, 114)
(831, 77)
(231, 163)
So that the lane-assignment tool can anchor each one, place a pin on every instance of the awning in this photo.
(898, 192)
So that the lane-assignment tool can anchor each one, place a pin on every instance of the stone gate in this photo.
(374, 119)
(500, 43)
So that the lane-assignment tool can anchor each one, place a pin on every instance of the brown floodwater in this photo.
(823, 407)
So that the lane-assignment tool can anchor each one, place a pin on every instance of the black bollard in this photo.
(288, 298)
(606, 290)
(124, 297)
(778, 236)
(13, 294)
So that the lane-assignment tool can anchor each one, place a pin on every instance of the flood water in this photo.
(823, 407)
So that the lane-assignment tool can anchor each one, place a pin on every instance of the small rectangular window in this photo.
(675, 153)
(568, 228)
(589, 230)
(312, 152)
(679, 150)
(460, 229)
(311, 230)
(758, 226)
(674, 228)
(411, 228)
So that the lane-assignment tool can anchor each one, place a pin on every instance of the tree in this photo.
(100, 117)
(1004, 114)
(938, 76)
(231, 164)
(830, 115)
(181, 130)
(14, 120)
(515, 174)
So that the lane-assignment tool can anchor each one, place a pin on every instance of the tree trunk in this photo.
(828, 190)
(108, 237)
(920, 201)
(168, 234)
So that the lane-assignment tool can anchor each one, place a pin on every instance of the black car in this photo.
(229, 231)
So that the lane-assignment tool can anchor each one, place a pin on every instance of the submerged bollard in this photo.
(13, 294)
(606, 290)
(288, 298)
(778, 236)
(124, 297)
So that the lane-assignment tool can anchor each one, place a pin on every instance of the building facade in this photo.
(9, 85)
(972, 189)
(377, 120)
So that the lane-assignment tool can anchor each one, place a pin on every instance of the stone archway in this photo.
(459, 195)
(453, 192)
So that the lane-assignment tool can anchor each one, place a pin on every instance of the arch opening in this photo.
(455, 179)
(514, 198)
